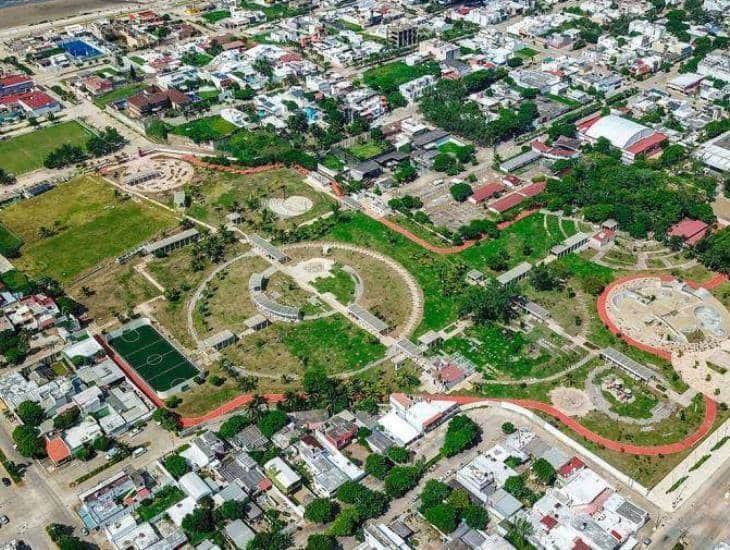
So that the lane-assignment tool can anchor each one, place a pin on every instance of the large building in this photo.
(632, 138)
(403, 35)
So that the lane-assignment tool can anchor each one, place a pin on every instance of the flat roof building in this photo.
(172, 242)
(633, 368)
(515, 274)
(267, 249)
(370, 321)
(571, 244)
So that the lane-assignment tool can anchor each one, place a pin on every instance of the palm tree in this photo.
(254, 406)
(522, 528)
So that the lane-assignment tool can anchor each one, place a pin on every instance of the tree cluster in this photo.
(461, 434)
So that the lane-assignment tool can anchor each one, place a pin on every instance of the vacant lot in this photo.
(114, 289)
(389, 76)
(78, 225)
(367, 150)
(209, 128)
(123, 92)
(216, 194)
(27, 152)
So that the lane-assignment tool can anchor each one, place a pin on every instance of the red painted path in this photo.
(577, 427)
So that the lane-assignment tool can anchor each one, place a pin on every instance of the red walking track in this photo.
(577, 427)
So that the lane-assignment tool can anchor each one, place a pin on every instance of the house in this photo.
(97, 85)
(153, 99)
(194, 486)
(690, 231)
(33, 103)
(281, 474)
(57, 450)
(409, 418)
(251, 439)
(204, 450)
(339, 432)
(239, 534)
(485, 192)
(13, 84)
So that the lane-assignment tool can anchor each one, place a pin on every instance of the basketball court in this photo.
(156, 360)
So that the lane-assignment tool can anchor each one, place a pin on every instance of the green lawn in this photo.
(196, 59)
(340, 283)
(332, 342)
(525, 240)
(502, 352)
(86, 223)
(387, 77)
(9, 242)
(526, 53)
(27, 152)
(218, 193)
(209, 128)
(118, 94)
(161, 501)
(215, 16)
(452, 148)
(642, 404)
(367, 150)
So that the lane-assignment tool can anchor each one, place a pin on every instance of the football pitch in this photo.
(153, 357)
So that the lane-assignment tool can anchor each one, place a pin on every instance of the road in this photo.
(703, 520)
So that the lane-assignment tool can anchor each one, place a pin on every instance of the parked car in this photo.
(6, 481)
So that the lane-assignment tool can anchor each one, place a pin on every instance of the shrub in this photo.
(320, 510)
(461, 434)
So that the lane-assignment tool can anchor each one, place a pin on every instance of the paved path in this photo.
(610, 444)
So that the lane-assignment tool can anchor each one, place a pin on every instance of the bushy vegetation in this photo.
(444, 507)
(462, 433)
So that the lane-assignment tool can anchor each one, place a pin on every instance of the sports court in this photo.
(156, 360)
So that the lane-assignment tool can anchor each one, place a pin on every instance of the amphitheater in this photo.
(156, 174)
(668, 315)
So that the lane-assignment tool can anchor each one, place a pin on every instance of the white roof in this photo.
(178, 511)
(279, 469)
(621, 132)
(585, 487)
(194, 486)
(421, 412)
(85, 348)
(686, 80)
(195, 456)
(398, 429)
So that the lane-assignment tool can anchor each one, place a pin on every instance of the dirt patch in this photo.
(571, 401)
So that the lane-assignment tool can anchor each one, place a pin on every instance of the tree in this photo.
(434, 492)
(28, 441)
(6, 178)
(102, 443)
(321, 541)
(176, 465)
(545, 278)
(402, 479)
(514, 62)
(714, 250)
(461, 434)
(169, 420)
(231, 510)
(272, 422)
(30, 413)
(508, 428)
(475, 516)
(492, 302)
(346, 523)
(321, 510)
(442, 516)
(377, 465)
(544, 471)
(233, 425)
(368, 503)
(461, 191)
(399, 455)
(199, 522)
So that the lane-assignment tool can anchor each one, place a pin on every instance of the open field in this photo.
(227, 304)
(387, 77)
(366, 150)
(385, 293)
(209, 128)
(27, 152)
(526, 240)
(217, 193)
(114, 289)
(123, 92)
(339, 283)
(203, 397)
(287, 350)
(501, 352)
(79, 224)
(216, 15)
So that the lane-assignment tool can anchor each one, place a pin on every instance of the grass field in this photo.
(218, 193)
(27, 152)
(340, 283)
(205, 129)
(501, 352)
(216, 15)
(87, 223)
(153, 357)
(642, 404)
(9, 242)
(389, 76)
(122, 92)
(367, 150)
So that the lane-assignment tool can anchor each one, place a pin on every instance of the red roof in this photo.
(510, 178)
(57, 450)
(647, 143)
(36, 100)
(690, 230)
(265, 484)
(486, 191)
(584, 123)
(580, 545)
(505, 203)
(289, 57)
(571, 466)
(533, 189)
(451, 373)
(549, 522)
(14, 79)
